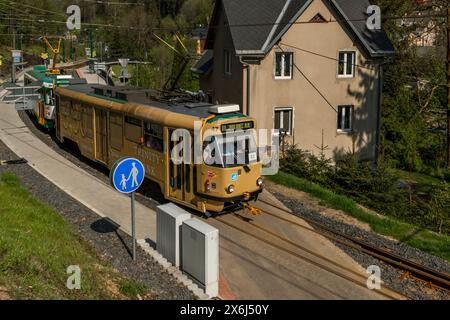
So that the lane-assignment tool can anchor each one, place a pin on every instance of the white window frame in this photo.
(283, 65)
(292, 117)
(346, 76)
(344, 113)
(227, 62)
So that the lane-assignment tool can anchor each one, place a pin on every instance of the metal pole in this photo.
(133, 225)
(13, 73)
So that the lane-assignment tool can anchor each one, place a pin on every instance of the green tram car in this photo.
(44, 108)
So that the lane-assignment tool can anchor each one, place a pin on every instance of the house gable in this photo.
(257, 25)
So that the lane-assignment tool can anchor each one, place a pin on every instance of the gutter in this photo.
(248, 85)
(380, 99)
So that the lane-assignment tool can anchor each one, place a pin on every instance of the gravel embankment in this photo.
(392, 277)
(109, 242)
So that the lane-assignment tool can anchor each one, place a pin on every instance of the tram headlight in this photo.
(231, 189)
(260, 182)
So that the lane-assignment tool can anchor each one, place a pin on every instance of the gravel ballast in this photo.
(392, 277)
(109, 242)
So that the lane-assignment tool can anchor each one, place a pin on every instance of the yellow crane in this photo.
(55, 50)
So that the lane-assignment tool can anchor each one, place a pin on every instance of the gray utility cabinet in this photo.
(169, 219)
(200, 254)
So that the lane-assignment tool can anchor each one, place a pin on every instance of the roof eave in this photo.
(272, 43)
(372, 53)
(250, 53)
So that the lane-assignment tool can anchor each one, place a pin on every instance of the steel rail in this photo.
(419, 271)
(303, 257)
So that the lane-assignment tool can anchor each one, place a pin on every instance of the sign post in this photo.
(17, 58)
(126, 176)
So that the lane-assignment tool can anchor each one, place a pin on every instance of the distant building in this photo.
(200, 34)
(428, 31)
(310, 68)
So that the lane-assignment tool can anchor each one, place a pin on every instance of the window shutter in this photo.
(277, 120)
(278, 62)
(287, 121)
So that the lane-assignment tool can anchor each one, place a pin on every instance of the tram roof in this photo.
(144, 98)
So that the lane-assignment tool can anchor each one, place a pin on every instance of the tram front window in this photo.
(49, 98)
(231, 150)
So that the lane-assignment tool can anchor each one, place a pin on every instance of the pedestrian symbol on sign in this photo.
(127, 175)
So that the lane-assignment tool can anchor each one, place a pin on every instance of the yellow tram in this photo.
(109, 123)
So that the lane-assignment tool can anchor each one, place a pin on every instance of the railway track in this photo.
(303, 253)
(411, 268)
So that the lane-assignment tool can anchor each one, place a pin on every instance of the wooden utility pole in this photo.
(448, 86)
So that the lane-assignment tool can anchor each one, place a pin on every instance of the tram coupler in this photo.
(252, 210)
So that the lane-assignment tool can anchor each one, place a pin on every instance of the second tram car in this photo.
(44, 108)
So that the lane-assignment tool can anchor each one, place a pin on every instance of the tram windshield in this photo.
(231, 149)
(49, 97)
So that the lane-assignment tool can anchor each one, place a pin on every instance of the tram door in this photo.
(180, 175)
(101, 136)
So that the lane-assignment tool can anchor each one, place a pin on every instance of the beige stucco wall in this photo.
(312, 114)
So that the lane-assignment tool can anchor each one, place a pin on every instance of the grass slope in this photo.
(422, 239)
(37, 246)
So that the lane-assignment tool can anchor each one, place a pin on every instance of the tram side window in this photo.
(64, 106)
(76, 111)
(153, 135)
(133, 129)
(116, 130)
(86, 122)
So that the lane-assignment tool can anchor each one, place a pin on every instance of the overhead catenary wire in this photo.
(113, 3)
(323, 56)
(436, 15)
(311, 83)
(32, 7)
(322, 95)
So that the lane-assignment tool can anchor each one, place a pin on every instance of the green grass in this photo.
(37, 246)
(423, 181)
(132, 288)
(422, 239)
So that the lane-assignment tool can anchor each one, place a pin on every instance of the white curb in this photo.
(174, 271)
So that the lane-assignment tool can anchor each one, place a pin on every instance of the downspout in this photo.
(248, 85)
(380, 97)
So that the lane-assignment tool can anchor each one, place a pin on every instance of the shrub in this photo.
(376, 188)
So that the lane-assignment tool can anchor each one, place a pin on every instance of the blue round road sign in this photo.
(127, 175)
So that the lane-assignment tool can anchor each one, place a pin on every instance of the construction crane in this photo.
(55, 50)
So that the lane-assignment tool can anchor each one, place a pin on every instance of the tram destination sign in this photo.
(238, 126)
